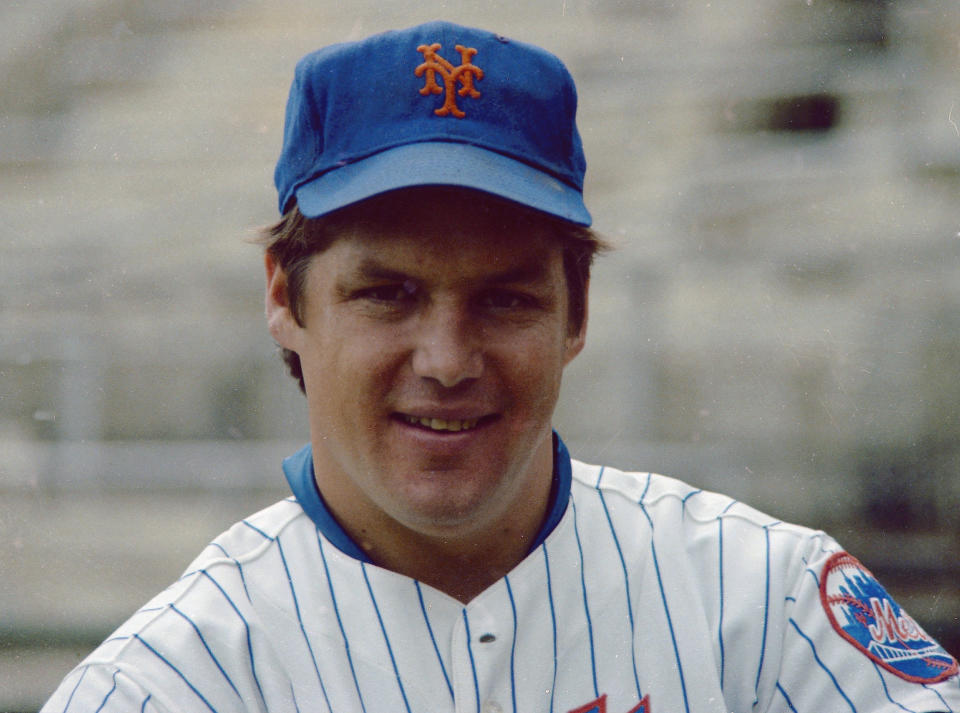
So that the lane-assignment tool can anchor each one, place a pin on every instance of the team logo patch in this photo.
(862, 612)
(465, 74)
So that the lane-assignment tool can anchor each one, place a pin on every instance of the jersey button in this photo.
(491, 707)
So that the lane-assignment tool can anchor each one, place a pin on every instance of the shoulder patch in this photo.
(864, 614)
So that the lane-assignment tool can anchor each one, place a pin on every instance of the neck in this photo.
(460, 567)
(461, 560)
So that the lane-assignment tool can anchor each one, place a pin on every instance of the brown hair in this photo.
(295, 239)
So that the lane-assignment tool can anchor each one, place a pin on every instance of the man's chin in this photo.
(448, 497)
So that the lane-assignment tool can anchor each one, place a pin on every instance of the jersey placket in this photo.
(482, 658)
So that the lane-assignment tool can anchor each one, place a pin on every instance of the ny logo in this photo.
(434, 64)
(599, 705)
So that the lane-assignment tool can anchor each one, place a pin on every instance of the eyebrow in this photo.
(531, 271)
(370, 269)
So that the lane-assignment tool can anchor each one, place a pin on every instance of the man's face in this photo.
(432, 348)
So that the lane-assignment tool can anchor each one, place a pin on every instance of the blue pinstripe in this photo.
(257, 530)
(204, 642)
(303, 630)
(176, 671)
(666, 609)
(937, 693)
(820, 663)
(586, 605)
(246, 626)
(195, 572)
(473, 665)
(887, 690)
(143, 706)
(686, 497)
(824, 550)
(646, 487)
(293, 697)
(766, 615)
(243, 580)
(513, 646)
(386, 638)
(343, 633)
(553, 621)
(786, 697)
(626, 583)
(109, 693)
(433, 639)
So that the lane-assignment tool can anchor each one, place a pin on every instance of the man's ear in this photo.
(281, 321)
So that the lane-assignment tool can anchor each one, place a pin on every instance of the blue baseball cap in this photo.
(435, 104)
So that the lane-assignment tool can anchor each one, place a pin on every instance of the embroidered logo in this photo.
(433, 64)
(862, 612)
(599, 705)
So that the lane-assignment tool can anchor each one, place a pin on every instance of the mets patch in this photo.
(862, 612)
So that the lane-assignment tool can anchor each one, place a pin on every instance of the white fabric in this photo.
(648, 596)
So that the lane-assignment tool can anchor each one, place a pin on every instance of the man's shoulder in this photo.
(220, 571)
(214, 590)
(663, 498)
(691, 536)
(251, 537)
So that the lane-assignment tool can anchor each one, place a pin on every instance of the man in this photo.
(441, 551)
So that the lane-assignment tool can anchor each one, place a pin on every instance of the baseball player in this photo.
(441, 551)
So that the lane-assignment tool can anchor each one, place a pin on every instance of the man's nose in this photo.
(448, 347)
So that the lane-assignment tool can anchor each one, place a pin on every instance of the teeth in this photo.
(441, 424)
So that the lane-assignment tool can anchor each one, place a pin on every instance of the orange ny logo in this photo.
(434, 64)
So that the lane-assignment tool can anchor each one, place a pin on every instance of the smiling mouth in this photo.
(440, 424)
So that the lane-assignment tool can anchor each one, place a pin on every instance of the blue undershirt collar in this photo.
(298, 470)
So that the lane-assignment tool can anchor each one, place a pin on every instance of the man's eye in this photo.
(388, 293)
(504, 299)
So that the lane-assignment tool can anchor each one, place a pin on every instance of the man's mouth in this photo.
(440, 424)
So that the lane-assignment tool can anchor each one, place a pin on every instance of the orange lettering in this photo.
(599, 705)
(465, 74)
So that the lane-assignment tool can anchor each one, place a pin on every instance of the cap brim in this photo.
(440, 163)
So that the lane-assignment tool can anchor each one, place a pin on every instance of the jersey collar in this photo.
(299, 473)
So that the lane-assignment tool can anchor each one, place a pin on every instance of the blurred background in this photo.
(780, 320)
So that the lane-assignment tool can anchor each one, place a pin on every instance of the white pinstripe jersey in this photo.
(648, 595)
